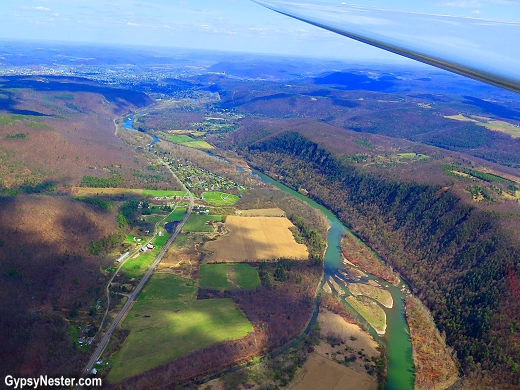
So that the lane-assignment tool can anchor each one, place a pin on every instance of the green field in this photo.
(177, 215)
(229, 276)
(187, 141)
(130, 239)
(168, 193)
(412, 156)
(167, 322)
(154, 218)
(197, 223)
(161, 240)
(220, 198)
(136, 268)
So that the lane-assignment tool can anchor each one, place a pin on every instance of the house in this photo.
(150, 246)
(100, 361)
(94, 371)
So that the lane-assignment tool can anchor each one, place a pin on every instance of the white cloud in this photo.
(39, 8)
(132, 24)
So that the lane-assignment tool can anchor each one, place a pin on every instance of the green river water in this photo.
(397, 340)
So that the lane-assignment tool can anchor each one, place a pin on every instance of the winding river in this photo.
(396, 339)
(128, 122)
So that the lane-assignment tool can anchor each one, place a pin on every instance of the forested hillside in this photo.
(459, 259)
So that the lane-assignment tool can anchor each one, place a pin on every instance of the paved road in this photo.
(133, 296)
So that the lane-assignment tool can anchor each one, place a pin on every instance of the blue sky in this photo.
(237, 25)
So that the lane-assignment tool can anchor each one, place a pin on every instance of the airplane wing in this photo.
(483, 49)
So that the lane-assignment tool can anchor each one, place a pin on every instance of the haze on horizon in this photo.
(223, 25)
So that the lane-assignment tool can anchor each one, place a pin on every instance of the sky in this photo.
(227, 25)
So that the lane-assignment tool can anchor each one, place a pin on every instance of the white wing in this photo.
(483, 49)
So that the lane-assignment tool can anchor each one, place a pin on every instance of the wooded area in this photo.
(455, 256)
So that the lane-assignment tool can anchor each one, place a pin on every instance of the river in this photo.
(128, 122)
(401, 371)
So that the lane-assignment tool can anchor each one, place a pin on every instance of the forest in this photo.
(459, 260)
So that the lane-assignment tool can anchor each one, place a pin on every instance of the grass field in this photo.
(161, 240)
(256, 238)
(136, 268)
(220, 198)
(229, 276)
(185, 140)
(167, 322)
(417, 156)
(197, 223)
(87, 191)
(177, 215)
(491, 124)
(154, 218)
(167, 193)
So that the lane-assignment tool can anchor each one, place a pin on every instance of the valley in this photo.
(162, 239)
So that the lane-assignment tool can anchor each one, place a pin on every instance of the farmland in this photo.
(86, 191)
(137, 266)
(489, 123)
(199, 223)
(185, 140)
(220, 198)
(229, 276)
(167, 323)
(256, 238)
(324, 374)
(176, 215)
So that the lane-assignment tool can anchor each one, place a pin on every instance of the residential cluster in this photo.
(199, 179)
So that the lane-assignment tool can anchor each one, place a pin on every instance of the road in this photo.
(135, 294)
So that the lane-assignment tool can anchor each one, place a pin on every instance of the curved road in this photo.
(133, 296)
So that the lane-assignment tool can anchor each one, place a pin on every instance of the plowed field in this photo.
(256, 238)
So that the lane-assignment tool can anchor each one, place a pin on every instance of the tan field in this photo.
(324, 374)
(495, 125)
(86, 191)
(334, 323)
(275, 212)
(256, 238)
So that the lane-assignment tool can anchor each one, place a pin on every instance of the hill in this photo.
(57, 250)
(460, 259)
